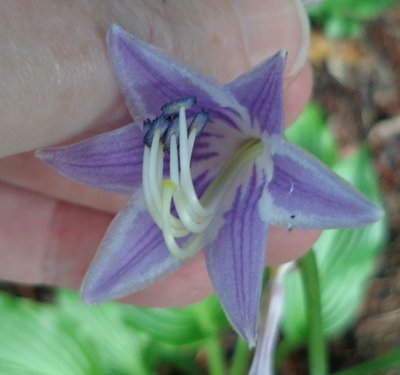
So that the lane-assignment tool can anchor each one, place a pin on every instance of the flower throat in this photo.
(169, 133)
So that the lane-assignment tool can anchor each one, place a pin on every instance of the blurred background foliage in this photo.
(347, 18)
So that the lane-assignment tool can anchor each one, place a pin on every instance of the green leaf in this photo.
(355, 9)
(67, 339)
(337, 27)
(346, 18)
(178, 326)
(103, 329)
(310, 132)
(111, 338)
(9, 367)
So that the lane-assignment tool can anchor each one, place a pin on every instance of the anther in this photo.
(199, 122)
(149, 128)
(147, 125)
(173, 128)
(172, 108)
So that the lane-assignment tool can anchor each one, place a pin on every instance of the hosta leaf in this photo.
(63, 340)
(346, 18)
(310, 132)
(178, 326)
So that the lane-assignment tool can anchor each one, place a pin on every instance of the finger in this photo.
(26, 171)
(191, 283)
(46, 241)
(59, 74)
(297, 94)
(268, 26)
(43, 240)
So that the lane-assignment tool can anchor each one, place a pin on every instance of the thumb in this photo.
(56, 78)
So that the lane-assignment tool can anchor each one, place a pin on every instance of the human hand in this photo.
(57, 85)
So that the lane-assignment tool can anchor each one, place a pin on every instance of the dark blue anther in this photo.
(149, 128)
(172, 129)
(168, 122)
(147, 125)
(172, 108)
(199, 122)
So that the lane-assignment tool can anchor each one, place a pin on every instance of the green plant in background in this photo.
(72, 338)
(346, 18)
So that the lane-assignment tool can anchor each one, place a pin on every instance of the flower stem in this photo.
(215, 355)
(316, 343)
(241, 356)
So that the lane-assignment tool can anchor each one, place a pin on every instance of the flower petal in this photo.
(235, 259)
(110, 161)
(304, 193)
(149, 79)
(131, 256)
(216, 147)
(261, 92)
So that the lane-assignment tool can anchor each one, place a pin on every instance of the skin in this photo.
(57, 86)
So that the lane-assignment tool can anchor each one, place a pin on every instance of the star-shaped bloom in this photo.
(207, 167)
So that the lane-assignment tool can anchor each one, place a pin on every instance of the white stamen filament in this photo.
(168, 189)
(193, 214)
(153, 159)
(184, 212)
(186, 176)
(155, 150)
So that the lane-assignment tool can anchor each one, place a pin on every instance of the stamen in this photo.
(146, 187)
(195, 243)
(147, 125)
(173, 129)
(173, 160)
(186, 176)
(155, 150)
(199, 122)
(172, 108)
(184, 211)
(160, 123)
(169, 132)
(152, 178)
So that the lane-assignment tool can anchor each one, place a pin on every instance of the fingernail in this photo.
(270, 25)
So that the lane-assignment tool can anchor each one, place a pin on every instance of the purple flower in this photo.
(208, 168)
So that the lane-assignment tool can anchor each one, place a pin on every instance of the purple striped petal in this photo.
(261, 92)
(235, 259)
(110, 161)
(149, 79)
(304, 193)
(212, 151)
(131, 256)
